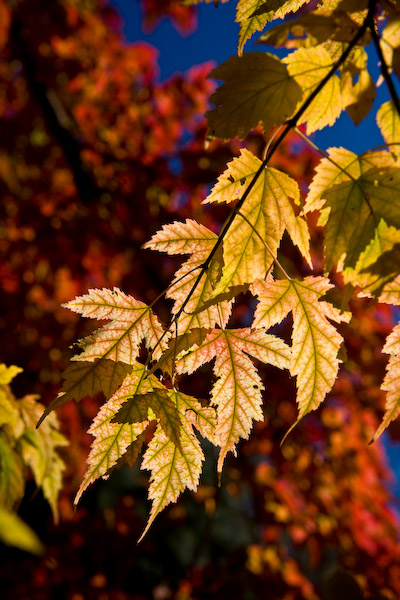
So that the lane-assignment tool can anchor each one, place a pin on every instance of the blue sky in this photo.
(216, 39)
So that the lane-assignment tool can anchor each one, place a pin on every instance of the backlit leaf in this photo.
(185, 238)
(14, 532)
(252, 243)
(237, 391)
(39, 448)
(309, 66)
(174, 469)
(278, 9)
(257, 89)
(87, 379)
(391, 382)
(388, 121)
(12, 482)
(310, 30)
(379, 263)
(249, 21)
(136, 408)
(113, 439)
(355, 194)
(315, 341)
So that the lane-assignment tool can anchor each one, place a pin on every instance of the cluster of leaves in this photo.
(23, 448)
(141, 365)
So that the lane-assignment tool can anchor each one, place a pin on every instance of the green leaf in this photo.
(315, 342)
(237, 391)
(257, 89)
(355, 194)
(39, 449)
(12, 483)
(14, 532)
(173, 468)
(252, 243)
(309, 66)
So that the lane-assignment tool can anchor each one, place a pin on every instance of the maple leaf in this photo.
(257, 89)
(311, 29)
(39, 449)
(251, 246)
(131, 323)
(112, 439)
(378, 264)
(388, 120)
(249, 20)
(195, 239)
(391, 44)
(109, 352)
(309, 66)
(357, 87)
(237, 391)
(83, 379)
(278, 9)
(136, 410)
(355, 194)
(173, 468)
(391, 382)
(315, 342)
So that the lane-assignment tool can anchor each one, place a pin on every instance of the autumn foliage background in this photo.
(95, 155)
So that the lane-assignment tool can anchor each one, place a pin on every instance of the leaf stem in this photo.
(323, 153)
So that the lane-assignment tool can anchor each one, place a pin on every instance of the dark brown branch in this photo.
(384, 68)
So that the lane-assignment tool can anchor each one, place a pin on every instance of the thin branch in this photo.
(384, 68)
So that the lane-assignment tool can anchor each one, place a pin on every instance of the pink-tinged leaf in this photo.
(237, 391)
(107, 304)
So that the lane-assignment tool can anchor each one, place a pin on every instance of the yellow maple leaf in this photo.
(173, 468)
(388, 121)
(198, 241)
(354, 193)
(391, 382)
(309, 66)
(315, 341)
(251, 245)
(237, 391)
